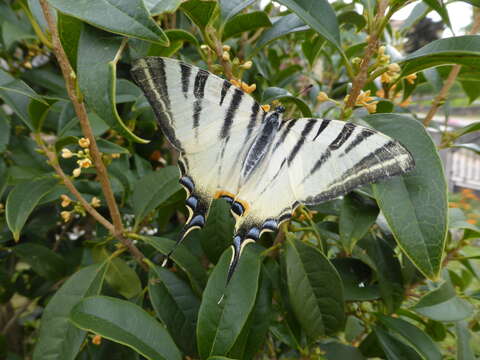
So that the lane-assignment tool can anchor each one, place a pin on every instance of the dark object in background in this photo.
(423, 33)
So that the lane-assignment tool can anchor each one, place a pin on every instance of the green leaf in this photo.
(418, 12)
(216, 236)
(312, 48)
(128, 18)
(394, 348)
(183, 258)
(121, 277)
(288, 24)
(415, 337)
(415, 205)
(385, 261)
(200, 12)
(220, 324)
(108, 147)
(11, 84)
(12, 32)
(352, 18)
(4, 131)
(69, 30)
(275, 93)
(473, 127)
(246, 22)
(176, 305)
(314, 289)
(255, 331)
(58, 338)
(335, 351)
(355, 276)
(43, 261)
(356, 218)
(177, 39)
(471, 89)
(157, 7)
(319, 15)
(97, 76)
(127, 324)
(440, 8)
(464, 341)
(154, 189)
(22, 200)
(442, 304)
(463, 50)
(230, 8)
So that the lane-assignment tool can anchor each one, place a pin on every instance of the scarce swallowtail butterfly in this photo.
(264, 166)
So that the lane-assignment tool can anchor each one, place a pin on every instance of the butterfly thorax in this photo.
(261, 144)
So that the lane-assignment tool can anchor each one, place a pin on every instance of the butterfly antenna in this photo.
(305, 90)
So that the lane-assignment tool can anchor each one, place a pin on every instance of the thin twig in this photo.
(81, 112)
(442, 95)
(362, 75)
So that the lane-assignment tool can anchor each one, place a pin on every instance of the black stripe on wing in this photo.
(306, 130)
(232, 108)
(198, 92)
(186, 71)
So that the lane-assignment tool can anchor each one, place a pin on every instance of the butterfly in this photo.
(264, 166)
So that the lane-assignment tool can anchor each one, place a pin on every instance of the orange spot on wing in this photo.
(221, 193)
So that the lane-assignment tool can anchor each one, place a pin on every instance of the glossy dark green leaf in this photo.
(463, 50)
(356, 277)
(58, 337)
(246, 22)
(464, 346)
(200, 12)
(43, 261)
(22, 200)
(442, 304)
(276, 93)
(413, 336)
(69, 30)
(288, 24)
(394, 348)
(415, 205)
(217, 234)
(108, 147)
(15, 31)
(255, 331)
(473, 127)
(334, 350)
(4, 131)
(11, 84)
(154, 189)
(356, 218)
(472, 89)
(230, 8)
(183, 258)
(121, 277)
(220, 324)
(97, 76)
(176, 305)
(319, 15)
(311, 49)
(314, 290)
(125, 323)
(128, 18)
(384, 260)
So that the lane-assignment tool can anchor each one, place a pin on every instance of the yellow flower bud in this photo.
(385, 78)
(85, 163)
(226, 47)
(236, 83)
(411, 78)
(248, 88)
(381, 50)
(115, 156)
(66, 153)
(266, 108)
(356, 60)
(247, 65)
(66, 215)
(97, 340)
(322, 96)
(204, 47)
(65, 200)
(394, 67)
(95, 202)
(372, 107)
(385, 58)
(226, 56)
(84, 142)
(76, 172)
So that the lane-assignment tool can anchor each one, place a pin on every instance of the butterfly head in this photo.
(280, 109)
